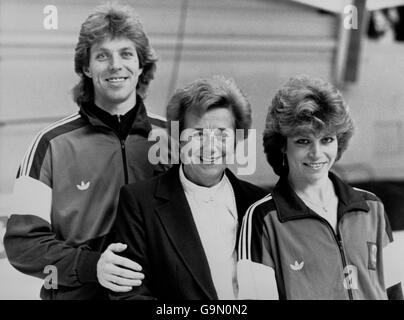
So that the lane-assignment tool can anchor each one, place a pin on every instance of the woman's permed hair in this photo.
(109, 22)
(305, 105)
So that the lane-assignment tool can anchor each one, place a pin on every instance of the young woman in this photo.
(313, 237)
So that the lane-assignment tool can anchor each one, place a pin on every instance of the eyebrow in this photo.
(308, 136)
(221, 129)
(108, 50)
(127, 48)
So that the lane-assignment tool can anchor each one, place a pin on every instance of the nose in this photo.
(115, 62)
(315, 150)
(208, 141)
(211, 144)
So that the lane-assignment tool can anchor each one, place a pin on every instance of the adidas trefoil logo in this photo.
(83, 186)
(297, 266)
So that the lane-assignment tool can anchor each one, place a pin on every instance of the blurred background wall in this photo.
(260, 43)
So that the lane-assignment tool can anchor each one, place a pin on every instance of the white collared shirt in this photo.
(215, 214)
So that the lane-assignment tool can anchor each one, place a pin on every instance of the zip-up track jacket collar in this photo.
(292, 207)
(66, 195)
(140, 125)
(282, 238)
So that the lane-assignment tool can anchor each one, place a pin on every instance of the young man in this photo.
(67, 186)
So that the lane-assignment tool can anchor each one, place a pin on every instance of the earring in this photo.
(283, 159)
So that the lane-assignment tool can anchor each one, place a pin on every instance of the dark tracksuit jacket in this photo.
(281, 236)
(66, 196)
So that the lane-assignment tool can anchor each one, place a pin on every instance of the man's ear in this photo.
(87, 72)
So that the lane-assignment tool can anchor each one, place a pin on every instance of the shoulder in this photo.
(252, 229)
(141, 188)
(156, 120)
(367, 195)
(63, 126)
(248, 189)
(265, 204)
(57, 129)
(261, 208)
(377, 209)
(42, 140)
(254, 189)
(373, 202)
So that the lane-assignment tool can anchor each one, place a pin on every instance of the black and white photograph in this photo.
(178, 150)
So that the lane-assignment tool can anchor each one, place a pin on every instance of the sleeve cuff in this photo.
(87, 266)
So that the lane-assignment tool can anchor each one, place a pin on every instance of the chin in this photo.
(118, 98)
(317, 176)
(213, 168)
(212, 171)
(119, 95)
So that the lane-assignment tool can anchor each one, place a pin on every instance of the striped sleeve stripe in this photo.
(29, 155)
(244, 250)
(155, 116)
(156, 119)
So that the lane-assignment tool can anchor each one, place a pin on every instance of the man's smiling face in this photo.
(114, 69)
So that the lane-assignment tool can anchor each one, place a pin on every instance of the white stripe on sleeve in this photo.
(256, 281)
(31, 196)
(244, 251)
(393, 260)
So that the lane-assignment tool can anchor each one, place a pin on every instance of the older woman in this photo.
(313, 237)
(182, 226)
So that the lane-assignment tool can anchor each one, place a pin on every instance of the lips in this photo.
(116, 79)
(315, 165)
(210, 160)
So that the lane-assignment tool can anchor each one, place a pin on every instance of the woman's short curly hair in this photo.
(204, 94)
(305, 105)
(109, 22)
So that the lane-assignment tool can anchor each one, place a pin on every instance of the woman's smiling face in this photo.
(310, 157)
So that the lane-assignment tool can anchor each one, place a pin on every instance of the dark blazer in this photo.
(155, 221)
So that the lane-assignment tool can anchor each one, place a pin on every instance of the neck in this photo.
(318, 190)
(204, 181)
(116, 108)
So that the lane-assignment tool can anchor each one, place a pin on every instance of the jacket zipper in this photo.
(125, 167)
(337, 238)
(341, 249)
